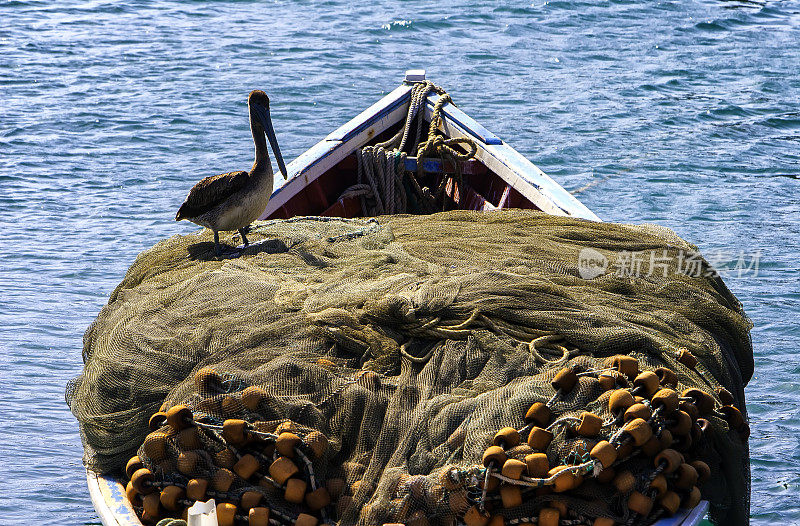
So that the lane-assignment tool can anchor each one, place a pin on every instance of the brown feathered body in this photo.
(233, 200)
(227, 201)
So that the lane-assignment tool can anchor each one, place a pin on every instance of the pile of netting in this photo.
(446, 369)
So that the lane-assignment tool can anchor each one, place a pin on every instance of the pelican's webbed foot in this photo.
(243, 232)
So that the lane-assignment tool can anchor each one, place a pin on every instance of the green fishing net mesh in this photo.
(408, 342)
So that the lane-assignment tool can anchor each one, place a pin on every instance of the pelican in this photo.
(231, 201)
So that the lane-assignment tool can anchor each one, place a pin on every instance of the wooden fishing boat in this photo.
(498, 177)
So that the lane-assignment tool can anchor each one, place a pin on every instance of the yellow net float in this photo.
(318, 499)
(187, 463)
(640, 503)
(564, 380)
(659, 484)
(692, 498)
(637, 411)
(253, 396)
(725, 396)
(590, 424)
(224, 458)
(172, 498)
(226, 514)
(189, 439)
(207, 381)
(685, 476)
(652, 446)
(558, 505)
(611, 380)
(603, 521)
(667, 399)
(703, 471)
(133, 495)
(295, 490)
(733, 416)
(510, 495)
(537, 465)
(196, 489)
(179, 417)
(142, 481)
(666, 376)
(155, 446)
(619, 401)
(690, 409)
(671, 460)
(624, 482)
(222, 479)
(687, 358)
(513, 469)
(258, 517)
(605, 453)
(157, 421)
(494, 456)
(549, 517)
(317, 443)
(491, 484)
(234, 431)
(702, 400)
(497, 520)
(565, 480)
(538, 414)
(520, 451)
(287, 426)
(231, 406)
(681, 423)
(703, 425)
(646, 383)
(539, 438)
(506, 438)
(626, 365)
(250, 499)
(669, 502)
(625, 449)
(152, 505)
(304, 519)
(475, 517)
(134, 464)
(281, 469)
(639, 430)
(286, 443)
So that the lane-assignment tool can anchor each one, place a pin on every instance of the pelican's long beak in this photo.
(266, 121)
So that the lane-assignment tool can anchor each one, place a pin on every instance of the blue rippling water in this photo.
(681, 113)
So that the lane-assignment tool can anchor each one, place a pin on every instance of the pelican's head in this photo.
(258, 97)
(259, 101)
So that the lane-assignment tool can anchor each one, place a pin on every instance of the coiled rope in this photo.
(381, 167)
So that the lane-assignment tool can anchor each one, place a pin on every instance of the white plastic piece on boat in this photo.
(415, 75)
(203, 514)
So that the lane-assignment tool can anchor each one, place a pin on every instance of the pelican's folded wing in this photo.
(211, 192)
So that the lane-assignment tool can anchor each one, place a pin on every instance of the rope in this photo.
(171, 522)
(381, 168)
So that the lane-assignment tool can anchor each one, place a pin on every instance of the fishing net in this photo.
(478, 368)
